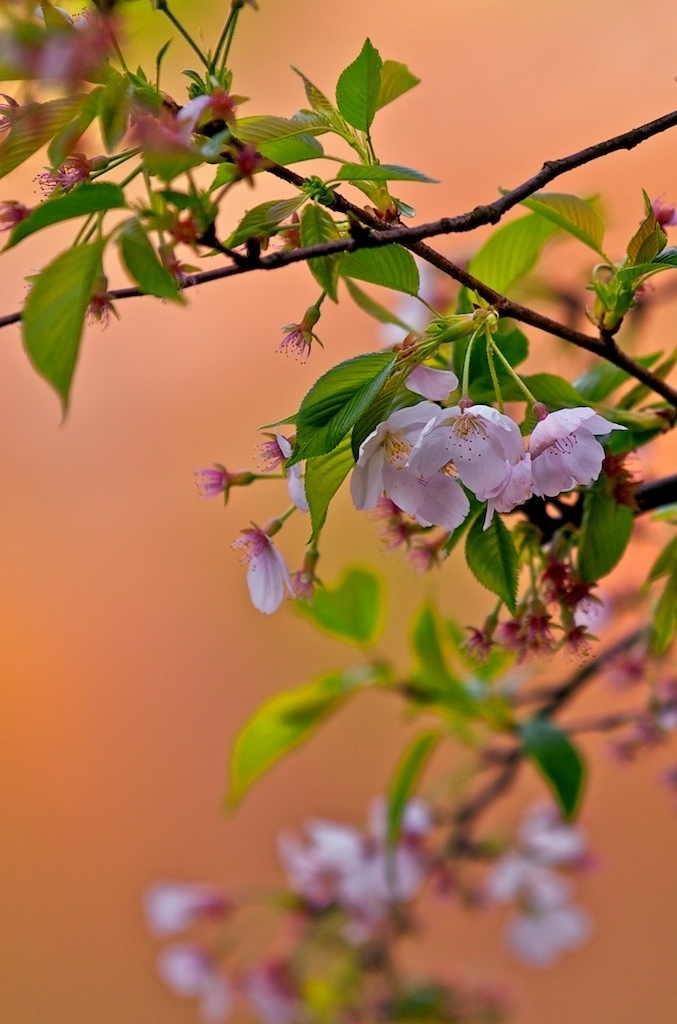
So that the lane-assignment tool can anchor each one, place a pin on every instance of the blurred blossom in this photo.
(270, 991)
(339, 865)
(665, 213)
(72, 171)
(69, 53)
(190, 971)
(546, 923)
(11, 214)
(175, 906)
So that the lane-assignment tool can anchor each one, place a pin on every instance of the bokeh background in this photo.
(131, 654)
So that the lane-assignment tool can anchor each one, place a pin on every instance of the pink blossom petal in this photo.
(436, 385)
(538, 939)
(174, 906)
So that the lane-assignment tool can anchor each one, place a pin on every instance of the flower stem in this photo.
(225, 39)
(515, 376)
(162, 6)
(466, 364)
(492, 371)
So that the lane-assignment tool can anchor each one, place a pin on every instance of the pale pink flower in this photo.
(175, 906)
(190, 971)
(273, 453)
(270, 991)
(433, 384)
(513, 490)
(549, 840)
(564, 449)
(316, 869)
(217, 106)
(212, 480)
(72, 171)
(72, 52)
(480, 442)
(267, 573)
(383, 465)
(539, 938)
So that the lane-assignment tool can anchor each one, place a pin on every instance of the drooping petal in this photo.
(434, 384)
(515, 489)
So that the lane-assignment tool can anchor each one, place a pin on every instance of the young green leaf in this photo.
(666, 563)
(512, 251)
(353, 610)
(292, 150)
(558, 761)
(34, 126)
(65, 141)
(390, 266)
(324, 475)
(114, 108)
(317, 226)
(262, 220)
(492, 559)
(281, 725)
(664, 621)
(606, 530)
(86, 198)
(54, 314)
(268, 128)
(372, 308)
(649, 239)
(318, 101)
(359, 87)
(573, 214)
(435, 682)
(337, 400)
(396, 79)
(380, 172)
(406, 778)
(143, 263)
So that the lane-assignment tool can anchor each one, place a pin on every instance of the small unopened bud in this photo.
(540, 411)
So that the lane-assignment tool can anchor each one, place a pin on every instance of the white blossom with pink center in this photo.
(267, 572)
(538, 939)
(190, 971)
(565, 451)
(433, 498)
(480, 442)
(173, 907)
(273, 453)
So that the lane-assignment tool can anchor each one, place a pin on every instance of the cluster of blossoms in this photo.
(420, 463)
(546, 922)
(339, 870)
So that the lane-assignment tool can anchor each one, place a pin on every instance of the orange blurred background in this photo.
(131, 654)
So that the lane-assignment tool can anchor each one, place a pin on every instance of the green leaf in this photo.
(664, 621)
(86, 198)
(512, 251)
(575, 215)
(492, 559)
(606, 530)
(54, 314)
(34, 127)
(436, 683)
(359, 87)
(268, 128)
(372, 308)
(406, 778)
(65, 141)
(396, 79)
(666, 563)
(390, 266)
(143, 263)
(317, 226)
(114, 109)
(316, 98)
(648, 240)
(558, 761)
(262, 220)
(292, 150)
(380, 172)
(324, 475)
(281, 725)
(337, 400)
(353, 610)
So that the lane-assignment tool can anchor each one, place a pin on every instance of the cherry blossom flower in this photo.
(513, 490)
(212, 480)
(299, 337)
(69, 53)
(434, 384)
(548, 840)
(72, 171)
(11, 214)
(189, 970)
(482, 443)
(173, 907)
(565, 451)
(272, 453)
(216, 106)
(267, 573)
(538, 938)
